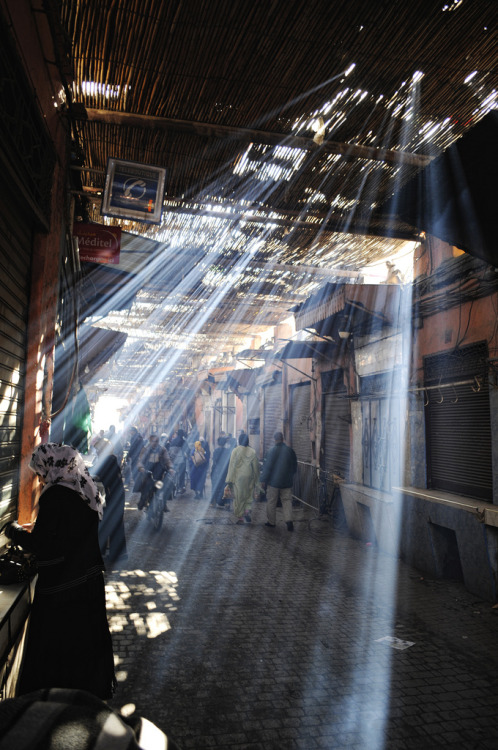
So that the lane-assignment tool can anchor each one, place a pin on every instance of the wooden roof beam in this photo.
(248, 135)
(323, 222)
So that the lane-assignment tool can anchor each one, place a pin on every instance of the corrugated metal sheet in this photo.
(459, 442)
(15, 265)
(458, 423)
(300, 395)
(272, 414)
(336, 421)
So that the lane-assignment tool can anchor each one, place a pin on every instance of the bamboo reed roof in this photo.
(284, 127)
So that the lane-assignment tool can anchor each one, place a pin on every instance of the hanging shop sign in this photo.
(134, 191)
(97, 243)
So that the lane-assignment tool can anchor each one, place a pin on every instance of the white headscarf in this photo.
(62, 464)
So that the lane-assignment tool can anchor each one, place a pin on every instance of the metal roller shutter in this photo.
(15, 264)
(382, 408)
(336, 422)
(27, 160)
(300, 420)
(273, 414)
(459, 424)
(459, 439)
(231, 414)
(253, 422)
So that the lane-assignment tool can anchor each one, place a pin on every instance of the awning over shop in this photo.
(103, 288)
(454, 197)
(255, 354)
(326, 302)
(307, 349)
(268, 377)
(222, 385)
(243, 381)
(338, 307)
(96, 347)
(204, 386)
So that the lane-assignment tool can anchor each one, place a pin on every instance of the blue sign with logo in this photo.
(134, 191)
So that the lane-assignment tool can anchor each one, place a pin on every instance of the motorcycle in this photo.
(154, 495)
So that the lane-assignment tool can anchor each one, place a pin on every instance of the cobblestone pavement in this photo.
(233, 636)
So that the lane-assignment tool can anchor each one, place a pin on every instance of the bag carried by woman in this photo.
(198, 457)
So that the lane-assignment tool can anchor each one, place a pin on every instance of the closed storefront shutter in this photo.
(300, 395)
(336, 420)
(27, 160)
(253, 423)
(458, 422)
(231, 414)
(382, 407)
(380, 442)
(273, 414)
(15, 264)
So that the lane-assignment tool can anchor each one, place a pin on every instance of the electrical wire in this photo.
(70, 286)
(459, 341)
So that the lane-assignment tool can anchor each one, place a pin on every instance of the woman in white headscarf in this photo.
(69, 643)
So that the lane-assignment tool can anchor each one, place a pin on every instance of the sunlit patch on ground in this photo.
(159, 599)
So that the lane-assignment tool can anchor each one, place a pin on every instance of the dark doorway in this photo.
(446, 553)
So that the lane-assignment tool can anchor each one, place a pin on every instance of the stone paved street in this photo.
(249, 637)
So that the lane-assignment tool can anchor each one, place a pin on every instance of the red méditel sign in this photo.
(98, 243)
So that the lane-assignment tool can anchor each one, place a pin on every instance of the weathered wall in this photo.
(442, 535)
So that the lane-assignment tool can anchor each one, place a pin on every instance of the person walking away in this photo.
(177, 452)
(219, 468)
(277, 478)
(106, 470)
(135, 446)
(198, 468)
(207, 453)
(68, 643)
(153, 458)
(242, 479)
(116, 444)
(232, 442)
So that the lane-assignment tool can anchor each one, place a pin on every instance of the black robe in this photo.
(68, 644)
(111, 528)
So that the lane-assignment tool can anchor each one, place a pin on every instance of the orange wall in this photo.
(441, 332)
(459, 325)
(431, 254)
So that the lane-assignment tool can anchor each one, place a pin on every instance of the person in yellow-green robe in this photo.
(242, 478)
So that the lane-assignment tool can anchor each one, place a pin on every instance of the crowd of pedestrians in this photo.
(186, 459)
(236, 478)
